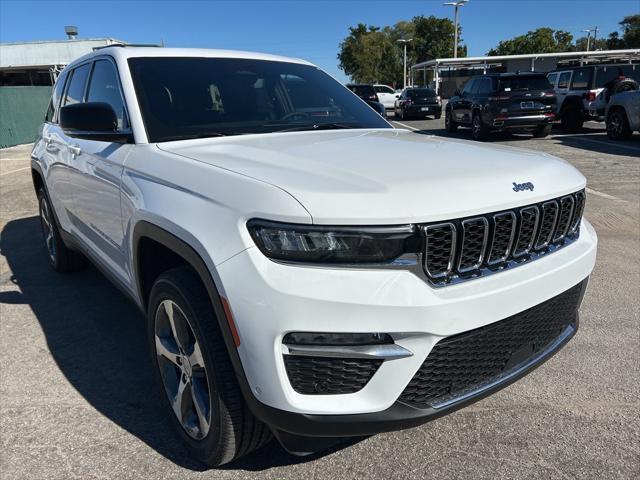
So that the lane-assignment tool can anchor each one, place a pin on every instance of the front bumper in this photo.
(269, 300)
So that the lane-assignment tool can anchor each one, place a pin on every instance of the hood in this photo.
(387, 176)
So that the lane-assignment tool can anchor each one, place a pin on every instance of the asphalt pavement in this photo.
(77, 400)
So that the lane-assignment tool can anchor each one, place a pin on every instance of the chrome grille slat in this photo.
(466, 248)
(529, 219)
(504, 229)
(473, 244)
(567, 204)
(440, 249)
(547, 224)
(577, 212)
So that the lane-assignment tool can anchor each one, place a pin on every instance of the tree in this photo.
(370, 54)
(631, 31)
(542, 40)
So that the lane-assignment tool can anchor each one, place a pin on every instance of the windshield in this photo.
(187, 97)
(524, 83)
(421, 93)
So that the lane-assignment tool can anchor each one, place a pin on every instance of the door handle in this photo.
(75, 150)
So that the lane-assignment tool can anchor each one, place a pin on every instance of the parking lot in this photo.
(77, 399)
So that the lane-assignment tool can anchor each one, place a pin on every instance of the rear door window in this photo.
(54, 104)
(105, 87)
(485, 87)
(75, 90)
(468, 87)
(552, 77)
(582, 79)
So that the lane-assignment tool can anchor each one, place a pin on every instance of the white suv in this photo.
(305, 268)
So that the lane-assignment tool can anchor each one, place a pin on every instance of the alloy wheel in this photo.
(182, 369)
(47, 229)
(615, 125)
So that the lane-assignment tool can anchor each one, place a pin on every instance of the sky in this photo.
(309, 29)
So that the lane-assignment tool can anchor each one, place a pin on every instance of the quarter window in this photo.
(105, 87)
(563, 80)
(582, 79)
(552, 78)
(75, 91)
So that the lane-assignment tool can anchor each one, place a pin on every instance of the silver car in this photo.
(623, 115)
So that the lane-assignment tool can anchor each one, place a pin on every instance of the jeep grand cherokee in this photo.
(305, 269)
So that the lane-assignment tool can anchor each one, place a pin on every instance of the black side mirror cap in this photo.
(92, 121)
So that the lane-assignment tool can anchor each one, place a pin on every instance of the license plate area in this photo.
(424, 109)
(527, 105)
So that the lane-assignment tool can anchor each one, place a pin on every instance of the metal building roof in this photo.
(20, 55)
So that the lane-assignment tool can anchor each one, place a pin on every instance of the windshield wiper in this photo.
(190, 136)
(316, 126)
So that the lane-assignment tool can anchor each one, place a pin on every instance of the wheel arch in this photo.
(570, 102)
(148, 235)
(615, 108)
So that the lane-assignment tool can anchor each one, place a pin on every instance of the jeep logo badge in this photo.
(518, 187)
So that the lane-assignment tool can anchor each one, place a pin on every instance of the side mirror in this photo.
(92, 121)
(397, 96)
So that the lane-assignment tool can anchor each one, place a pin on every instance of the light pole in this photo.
(588, 31)
(404, 71)
(595, 36)
(456, 5)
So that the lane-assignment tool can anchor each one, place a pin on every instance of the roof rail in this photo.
(123, 45)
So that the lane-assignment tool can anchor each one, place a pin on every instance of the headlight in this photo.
(320, 244)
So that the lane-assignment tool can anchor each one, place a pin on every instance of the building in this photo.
(28, 71)
(38, 63)
(449, 74)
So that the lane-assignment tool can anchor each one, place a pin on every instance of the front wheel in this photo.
(449, 124)
(572, 120)
(618, 126)
(191, 363)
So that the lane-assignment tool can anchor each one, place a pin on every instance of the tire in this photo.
(437, 117)
(479, 131)
(542, 131)
(232, 430)
(61, 258)
(402, 115)
(618, 126)
(621, 85)
(572, 120)
(449, 124)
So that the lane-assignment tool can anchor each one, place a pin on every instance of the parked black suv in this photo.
(508, 101)
(367, 93)
(418, 102)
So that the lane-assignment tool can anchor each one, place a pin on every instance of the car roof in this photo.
(124, 52)
(360, 85)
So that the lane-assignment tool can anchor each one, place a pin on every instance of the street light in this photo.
(595, 35)
(456, 5)
(404, 71)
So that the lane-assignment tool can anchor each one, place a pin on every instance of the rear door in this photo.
(462, 108)
(51, 151)
(562, 87)
(97, 171)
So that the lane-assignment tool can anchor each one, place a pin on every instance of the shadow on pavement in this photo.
(98, 339)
